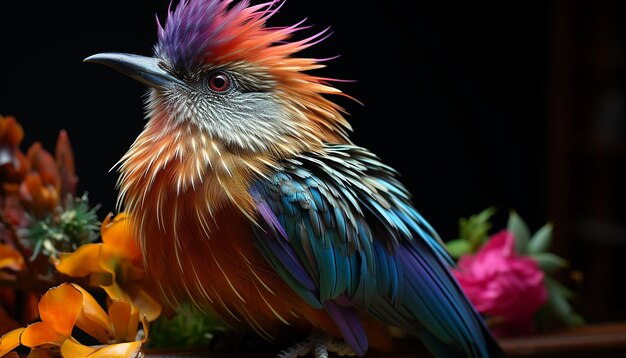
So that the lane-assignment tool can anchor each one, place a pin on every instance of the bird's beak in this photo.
(144, 69)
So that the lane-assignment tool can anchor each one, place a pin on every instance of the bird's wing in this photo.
(341, 231)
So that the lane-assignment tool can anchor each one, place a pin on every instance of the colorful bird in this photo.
(252, 202)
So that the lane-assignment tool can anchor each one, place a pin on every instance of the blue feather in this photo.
(355, 243)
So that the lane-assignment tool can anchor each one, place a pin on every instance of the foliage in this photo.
(65, 229)
(474, 238)
(189, 327)
(473, 232)
(537, 247)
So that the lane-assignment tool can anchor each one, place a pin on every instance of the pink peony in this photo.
(503, 285)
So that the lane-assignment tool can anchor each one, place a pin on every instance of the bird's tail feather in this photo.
(435, 298)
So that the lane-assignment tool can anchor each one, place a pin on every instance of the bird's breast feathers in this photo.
(194, 216)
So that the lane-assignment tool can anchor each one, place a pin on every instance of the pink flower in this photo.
(503, 285)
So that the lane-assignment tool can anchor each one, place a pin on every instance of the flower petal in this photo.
(11, 131)
(81, 262)
(43, 163)
(93, 320)
(40, 198)
(60, 308)
(10, 258)
(117, 233)
(133, 325)
(65, 162)
(146, 329)
(39, 334)
(15, 167)
(13, 164)
(115, 292)
(10, 341)
(109, 261)
(70, 348)
(148, 306)
(119, 350)
(120, 313)
(101, 279)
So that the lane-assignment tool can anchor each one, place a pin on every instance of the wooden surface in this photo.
(606, 340)
(602, 340)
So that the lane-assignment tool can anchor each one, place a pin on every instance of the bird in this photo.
(251, 201)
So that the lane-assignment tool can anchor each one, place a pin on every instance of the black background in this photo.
(457, 95)
(454, 95)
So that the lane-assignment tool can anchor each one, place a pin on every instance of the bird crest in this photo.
(198, 32)
(213, 33)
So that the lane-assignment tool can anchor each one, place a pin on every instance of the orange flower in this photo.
(116, 265)
(65, 162)
(38, 197)
(13, 164)
(42, 162)
(40, 188)
(41, 180)
(11, 132)
(10, 341)
(69, 305)
(10, 258)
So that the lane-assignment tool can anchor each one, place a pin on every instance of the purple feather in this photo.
(191, 29)
(198, 30)
(279, 247)
(349, 325)
(269, 217)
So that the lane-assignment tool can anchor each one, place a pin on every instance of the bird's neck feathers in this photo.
(175, 160)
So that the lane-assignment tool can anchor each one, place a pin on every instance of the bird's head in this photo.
(220, 75)
(229, 98)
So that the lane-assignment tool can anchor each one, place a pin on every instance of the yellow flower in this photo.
(116, 265)
(68, 305)
(10, 341)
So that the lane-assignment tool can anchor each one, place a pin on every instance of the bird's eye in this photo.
(219, 82)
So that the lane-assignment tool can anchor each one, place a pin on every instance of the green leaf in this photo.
(458, 247)
(549, 262)
(558, 302)
(188, 328)
(540, 242)
(522, 234)
(64, 229)
(475, 229)
(560, 289)
(486, 214)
